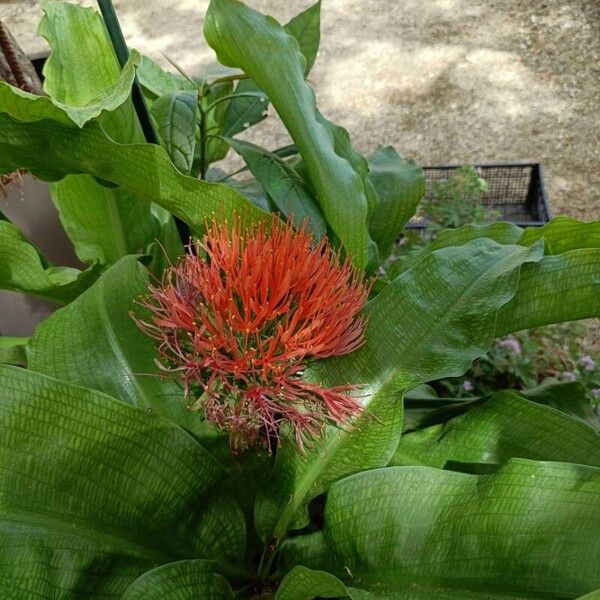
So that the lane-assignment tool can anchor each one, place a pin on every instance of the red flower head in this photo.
(239, 318)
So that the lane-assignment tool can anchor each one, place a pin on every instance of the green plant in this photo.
(455, 201)
(526, 359)
(111, 488)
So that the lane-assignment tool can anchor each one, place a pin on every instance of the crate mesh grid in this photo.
(515, 190)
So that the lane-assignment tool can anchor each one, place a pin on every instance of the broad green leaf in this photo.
(563, 234)
(528, 531)
(304, 584)
(343, 147)
(258, 45)
(437, 317)
(103, 223)
(12, 350)
(421, 413)
(429, 323)
(253, 190)
(503, 427)
(560, 235)
(244, 111)
(51, 151)
(23, 269)
(158, 82)
(96, 492)
(297, 478)
(503, 233)
(570, 398)
(29, 107)
(175, 114)
(500, 231)
(306, 29)
(400, 186)
(285, 188)
(182, 580)
(94, 342)
(564, 287)
(82, 74)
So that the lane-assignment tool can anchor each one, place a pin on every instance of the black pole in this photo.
(118, 41)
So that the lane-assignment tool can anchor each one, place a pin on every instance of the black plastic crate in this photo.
(516, 190)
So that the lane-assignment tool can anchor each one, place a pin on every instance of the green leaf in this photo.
(175, 114)
(306, 29)
(505, 426)
(570, 398)
(103, 223)
(343, 147)
(303, 584)
(298, 478)
(503, 233)
(400, 186)
(29, 107)
(23, 269)
(82, 74)
(528, 531)
(253, 190)
(95, 492)
(563, 234)
(560, 235)
(435, 318)
(565, 287)
(94, 342)
(284, 186)
(51, 151)
(158, 82)
(183, 580)
(595, 595)
(12, 350)
(429, 323)
(41, 107)
(243, 110)
(259, 46)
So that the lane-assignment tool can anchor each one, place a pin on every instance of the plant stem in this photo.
(266, 560)
(227, 78)
(228, 176)
(118, 41)
(203, 143)
(261, 97)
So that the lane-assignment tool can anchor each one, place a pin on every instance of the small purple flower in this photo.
(467, 386)
(512, 344)
(587, 362)
(596, 392)
(569, 376)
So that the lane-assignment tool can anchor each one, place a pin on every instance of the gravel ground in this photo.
(441, 80)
